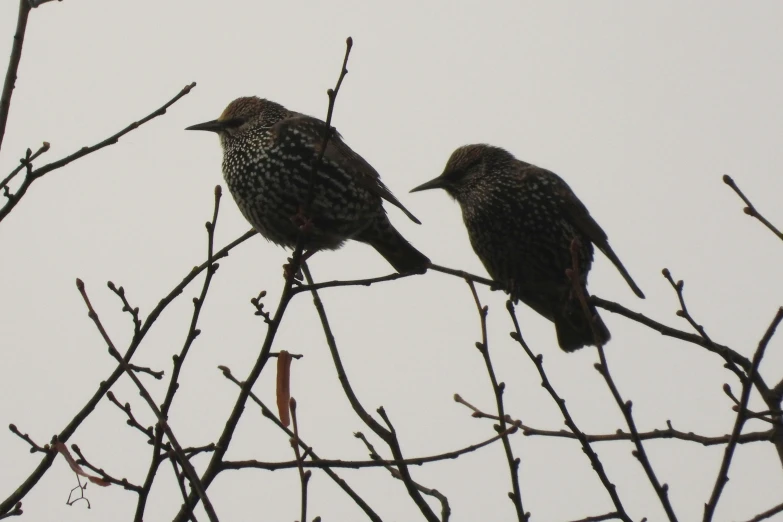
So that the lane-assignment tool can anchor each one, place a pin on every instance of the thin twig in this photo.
(662, 490)
(372, 515)
(720, 349)
(538, 360)
(768, 513)
(25, 162)
(599, 518)
(126, 408)
(179, 359)
(13, 65)
(304, 476)
(105, 476)
(684, 313)
(751, 209)
(34, 448)
(14, 512)
(498, 388)
(33, 175)
(358, 464)
(387, 435)
(193, 477)
(66, 433)
(445, 508)
(668, 433)
(728, 453)
(181, 482)
(352, 282)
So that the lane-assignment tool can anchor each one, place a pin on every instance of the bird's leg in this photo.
(301, 220)
(289, 267)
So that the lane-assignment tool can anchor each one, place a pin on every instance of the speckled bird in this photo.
(522, 220)
(268, 156)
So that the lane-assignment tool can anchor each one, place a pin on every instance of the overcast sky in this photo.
(641, 109)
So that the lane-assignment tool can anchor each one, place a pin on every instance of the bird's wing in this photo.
(581, 218)
(311, 131)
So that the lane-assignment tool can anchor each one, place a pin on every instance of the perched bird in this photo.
(522, 220)
(269, 154)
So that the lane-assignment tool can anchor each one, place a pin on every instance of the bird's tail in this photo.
(606, 249)
(400, 254)
(574, 329)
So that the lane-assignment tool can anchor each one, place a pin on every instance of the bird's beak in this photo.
(438, 182)
(212, 126)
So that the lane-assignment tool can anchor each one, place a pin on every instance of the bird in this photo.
(521, 220)
(269, 154)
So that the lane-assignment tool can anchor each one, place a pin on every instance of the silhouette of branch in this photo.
(13, 66)
(179, 359)
(193, 477)
(14, 512)
(24, 163)
(768, 513)
(723, 473)
(106, 384)
(498, 389)
(131, 419)
(126, 307)
(662, 490)
(358, 464)
(33, 175)
(466, 275)
(181, 483)
(538, 360)
(316, 460)
(105, 476)
(684, 313)
(668, 433)
(599, 518)
(445, 508)
(750, 209)
(304, 476)
(34, 448)
(722, 350)
(387, 435)
(353, 282)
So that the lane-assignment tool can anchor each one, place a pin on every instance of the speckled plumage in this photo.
(522, 220)
(268, 156)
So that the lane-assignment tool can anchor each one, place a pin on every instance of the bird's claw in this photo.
(288, 271)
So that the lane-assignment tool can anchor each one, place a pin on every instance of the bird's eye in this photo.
(233, 123)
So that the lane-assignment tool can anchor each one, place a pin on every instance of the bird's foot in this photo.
(288, 271)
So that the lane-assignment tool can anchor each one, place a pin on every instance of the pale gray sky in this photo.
(641, 109)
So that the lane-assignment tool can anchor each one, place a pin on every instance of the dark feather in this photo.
(341, 154)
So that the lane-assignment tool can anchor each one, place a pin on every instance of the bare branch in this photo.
(723, 473)
(751, 209)
(538, 360)
(105, 385)
(498, 388)
(193, 477)
(387, 435)
(445, 508)
(13, 66)
(315, 459)
(768, 513)
(105, 476)
(24, 163)
(33, 175)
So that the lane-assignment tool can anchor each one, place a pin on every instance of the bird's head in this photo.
(244, 114)
(467, 167)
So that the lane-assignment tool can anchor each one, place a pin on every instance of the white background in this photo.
(641, 109)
